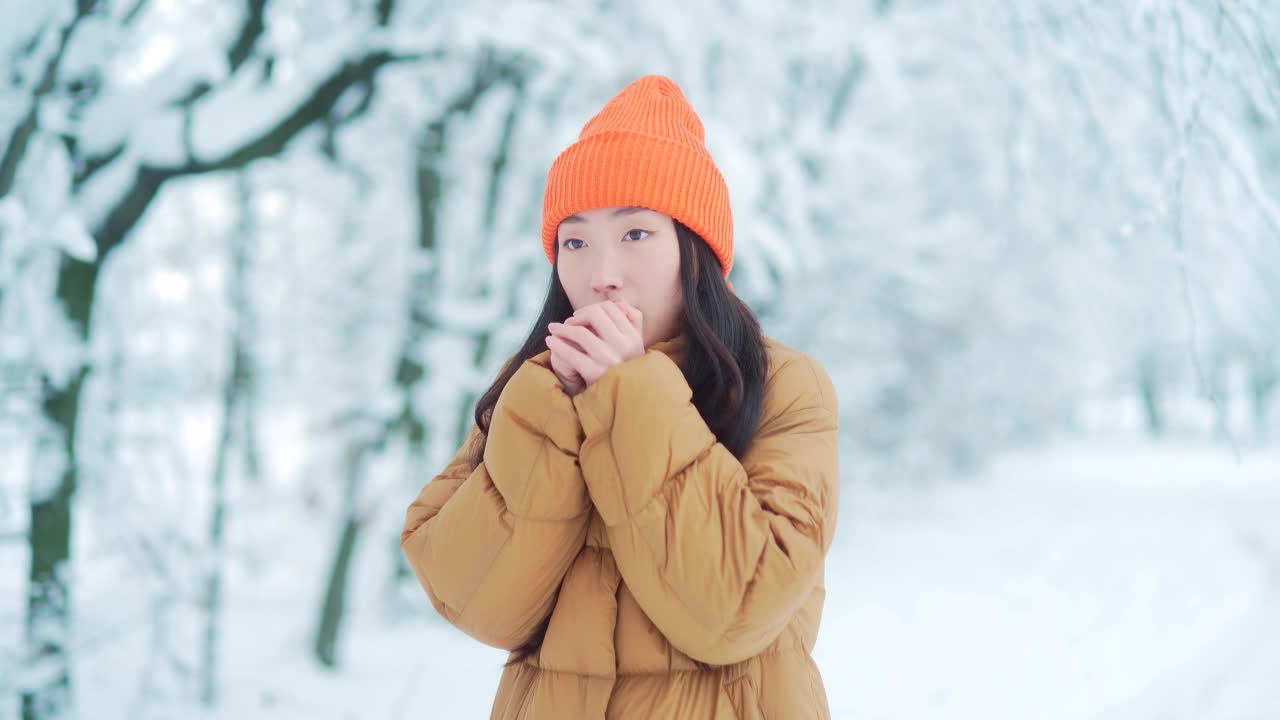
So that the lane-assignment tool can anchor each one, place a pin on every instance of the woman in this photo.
(642, 510)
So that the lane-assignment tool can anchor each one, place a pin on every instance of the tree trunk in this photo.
(48, 611)
(429, 192)
(236, 413)
(1263, 381)
(213, 579)
(48, 606)
(1149, 391)
(47, 620)
(335, 595)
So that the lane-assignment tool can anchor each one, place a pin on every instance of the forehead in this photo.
(605, 214)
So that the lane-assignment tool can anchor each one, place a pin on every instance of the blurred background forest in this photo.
(259, 258)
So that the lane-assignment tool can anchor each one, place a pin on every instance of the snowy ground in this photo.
(1124, 583)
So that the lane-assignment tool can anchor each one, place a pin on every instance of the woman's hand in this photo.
(595, 339)
(569, 378)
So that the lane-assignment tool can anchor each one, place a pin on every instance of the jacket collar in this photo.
(673, 348)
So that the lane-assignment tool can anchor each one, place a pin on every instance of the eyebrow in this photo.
(616, 213)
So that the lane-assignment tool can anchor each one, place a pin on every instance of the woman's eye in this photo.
(632, 232)
(569, 244)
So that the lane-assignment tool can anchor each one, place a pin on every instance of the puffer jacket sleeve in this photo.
(720, 554)
(492, 544)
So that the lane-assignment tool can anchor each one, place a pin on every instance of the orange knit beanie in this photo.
(646, 149)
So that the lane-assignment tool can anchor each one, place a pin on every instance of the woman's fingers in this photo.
(634, 316)
(615, 313)
(619, 323)
(629, 343)
(576, 321)
(586, 367)
(560, 365)
(597, 337)
(588, 341)
(628, 319)
(603, 323)
(570, 379)
(582, 369)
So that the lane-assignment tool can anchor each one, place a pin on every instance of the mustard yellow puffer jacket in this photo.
(618, 514)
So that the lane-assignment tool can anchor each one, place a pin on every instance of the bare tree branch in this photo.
(384, 11)
(26, 127)
(130, 208)
(241, 50)
(253, 27)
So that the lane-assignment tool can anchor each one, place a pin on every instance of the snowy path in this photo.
(1124, 583)
(1120, 584)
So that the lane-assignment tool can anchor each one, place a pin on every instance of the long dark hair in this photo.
(725, 360)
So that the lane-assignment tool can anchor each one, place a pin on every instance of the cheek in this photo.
(573, 286)
(663, 263)
(662, 285)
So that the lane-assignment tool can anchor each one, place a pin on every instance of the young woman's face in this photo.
(624, 253)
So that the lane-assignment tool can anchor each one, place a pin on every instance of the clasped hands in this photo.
(594, 339)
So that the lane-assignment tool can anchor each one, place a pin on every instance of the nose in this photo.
(606, 275)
